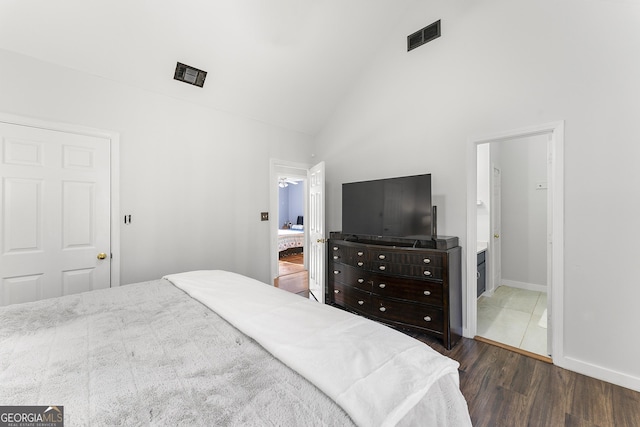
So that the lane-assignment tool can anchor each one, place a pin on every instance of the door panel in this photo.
(54, 213)
(78, 220)
(317, 257)
(23, 215)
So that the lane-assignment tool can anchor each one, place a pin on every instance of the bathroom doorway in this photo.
(512, 242)
(552, 270)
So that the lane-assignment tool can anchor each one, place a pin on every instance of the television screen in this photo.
(393, 207)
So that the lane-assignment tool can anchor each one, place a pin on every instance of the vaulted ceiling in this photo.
(285, 62)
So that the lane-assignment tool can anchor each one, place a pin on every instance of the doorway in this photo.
(512, 243)
(292, 274)
(313, 221)
(552, 135)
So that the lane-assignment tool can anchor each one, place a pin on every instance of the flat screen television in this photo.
(392, 207)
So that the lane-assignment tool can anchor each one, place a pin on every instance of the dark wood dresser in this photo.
(401, 283)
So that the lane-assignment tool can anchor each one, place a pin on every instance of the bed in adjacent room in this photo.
(218, 348)
(290, 240)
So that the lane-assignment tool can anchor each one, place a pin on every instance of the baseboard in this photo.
(524, 285)
(598, 372)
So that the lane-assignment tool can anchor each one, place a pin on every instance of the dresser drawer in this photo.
(338, 253)
(351, 276)
(418, 271)
(431, 259)
(406, 289)
(352, 298)
(416, 315)
(355, 256)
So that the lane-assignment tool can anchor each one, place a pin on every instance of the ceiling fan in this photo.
(284, 182)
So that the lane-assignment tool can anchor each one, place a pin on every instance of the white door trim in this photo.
(556, 188)
(114, 138)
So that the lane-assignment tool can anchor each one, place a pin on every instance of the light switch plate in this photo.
(264, 216)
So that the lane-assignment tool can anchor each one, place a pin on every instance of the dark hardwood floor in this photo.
(504, 388)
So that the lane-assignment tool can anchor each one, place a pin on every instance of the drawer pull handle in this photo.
(360, 264)
(336, 291)
(360, 253)
(360, 302)
(382, 267)
(383, 309)
(427, 319)
(426, 260)
(335, 248)
(360, 280)
(427, 273)
(336, 257)
(382, 285)
(336, 272)
(427, 293)
(381, 257)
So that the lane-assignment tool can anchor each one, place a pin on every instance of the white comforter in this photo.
(376, 374)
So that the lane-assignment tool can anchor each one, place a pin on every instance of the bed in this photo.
(218, 348)
(290, 240)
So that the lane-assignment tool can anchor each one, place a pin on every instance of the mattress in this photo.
(151, 354)
(288, 239)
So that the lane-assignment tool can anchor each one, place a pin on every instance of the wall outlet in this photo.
(264, 216)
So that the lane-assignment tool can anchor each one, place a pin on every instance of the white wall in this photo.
(503, 65)
(524, 212)
(290, 203)
(194, 179)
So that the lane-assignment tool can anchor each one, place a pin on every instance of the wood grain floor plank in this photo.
(503, 388)
(574, 421)
(622, 399)
(549, 396)
(591, 401)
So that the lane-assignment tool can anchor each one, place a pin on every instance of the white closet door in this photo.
(55, 213)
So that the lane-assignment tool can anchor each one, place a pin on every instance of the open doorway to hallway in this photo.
(311, 222)
(292, 274)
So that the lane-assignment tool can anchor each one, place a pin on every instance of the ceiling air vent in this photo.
(423, 36)
(188, 74)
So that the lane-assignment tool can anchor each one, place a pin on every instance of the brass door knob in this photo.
(102, 255)
(322, 241)
(497, 236)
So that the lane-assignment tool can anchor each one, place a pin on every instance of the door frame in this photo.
(555, 176)
(114, 149)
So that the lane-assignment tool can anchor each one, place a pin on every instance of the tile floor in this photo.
(515, 317)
